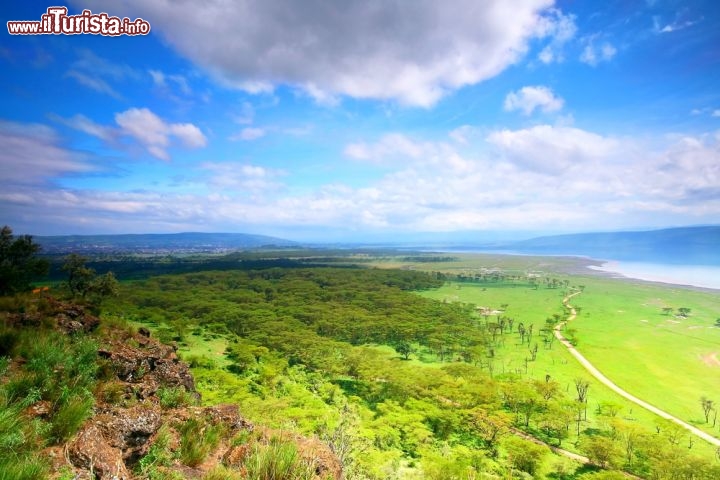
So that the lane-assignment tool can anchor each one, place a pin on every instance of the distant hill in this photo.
(689, 245)
(158, 243)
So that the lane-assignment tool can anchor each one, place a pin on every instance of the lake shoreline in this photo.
(704, 278)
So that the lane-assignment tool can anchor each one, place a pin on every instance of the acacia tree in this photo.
(18, 262)
(684, 312)
(83, 281)
(404, 349)
(707, 406)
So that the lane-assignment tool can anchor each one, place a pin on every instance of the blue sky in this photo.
(364, 120)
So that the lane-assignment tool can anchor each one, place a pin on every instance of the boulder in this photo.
(90, 451)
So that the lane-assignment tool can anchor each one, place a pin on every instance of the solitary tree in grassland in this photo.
(404, 349)
(667, 310)
(684, 312)
(707, 406)
(582, 385)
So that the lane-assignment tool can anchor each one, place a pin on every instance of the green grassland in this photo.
(668, 360)
(533, 306)
(665, 359)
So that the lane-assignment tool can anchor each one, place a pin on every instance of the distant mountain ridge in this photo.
(687, 245)
(189, 242)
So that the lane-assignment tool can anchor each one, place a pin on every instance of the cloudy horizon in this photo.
(364, 119)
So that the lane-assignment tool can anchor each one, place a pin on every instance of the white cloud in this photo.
(242, 177)
(154, 133)
(95, 72)
(189, 134)
(593, 55)
(94, 83)
(86, 125)
(672, 27)
(549, 149)
(249, 133)
(463, 134)
(377, 50)
(546, 55)
(246, 115)
(158, 77)
(716, 113)
(527, 99)
(32, 154)
(390, 145)
(160, 80)
(561, 29)
(542, 177)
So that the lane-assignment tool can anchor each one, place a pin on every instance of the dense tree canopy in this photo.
(351, 355)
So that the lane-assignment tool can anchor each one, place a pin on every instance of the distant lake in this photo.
(695, 275)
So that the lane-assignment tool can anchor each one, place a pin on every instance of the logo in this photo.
(56, 21)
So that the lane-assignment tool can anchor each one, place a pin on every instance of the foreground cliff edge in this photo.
(125, 409)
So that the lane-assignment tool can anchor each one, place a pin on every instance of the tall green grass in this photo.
(197, 439)
(278, 460)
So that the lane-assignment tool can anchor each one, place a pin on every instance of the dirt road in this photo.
(606, 381)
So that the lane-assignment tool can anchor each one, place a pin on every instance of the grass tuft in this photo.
(197, 439)
(174, 397)
(278, 460)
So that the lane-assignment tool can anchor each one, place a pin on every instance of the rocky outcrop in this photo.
(66, 317)
(145, 364)
(111, 444)
(90, 451)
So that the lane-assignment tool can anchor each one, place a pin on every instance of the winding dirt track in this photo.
(606, 381)
(565, 453)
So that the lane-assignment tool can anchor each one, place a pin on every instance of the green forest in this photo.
(401, 386)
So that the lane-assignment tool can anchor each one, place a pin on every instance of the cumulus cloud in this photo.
(545, 176)
(154, 133)
(527, 99)
(363, 49)
(550, 149)
(592, 55)
(142, 125)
